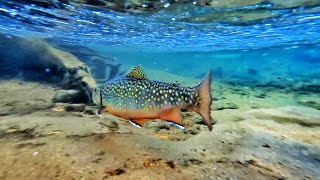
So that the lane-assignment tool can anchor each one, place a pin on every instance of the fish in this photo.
(134, 97)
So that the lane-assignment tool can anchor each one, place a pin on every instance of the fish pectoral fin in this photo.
(171, 114)
(140, 122)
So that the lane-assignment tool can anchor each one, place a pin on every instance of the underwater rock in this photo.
(75, 107)
(141, 6)
(309, 86)
(89, 112)
(221, 106)
(39, 61)
(266, 145)
(102, 68)
(157, 125)
(295, 115)
(114, 172)
(66, 96)
(236, 17)
(237, 12)
(111, 125)
(261, 95)
(309, 101)
(279, 4)
(273, 84)
(194, 130)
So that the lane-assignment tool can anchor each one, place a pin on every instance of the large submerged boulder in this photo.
(102, 68)
(36, 60)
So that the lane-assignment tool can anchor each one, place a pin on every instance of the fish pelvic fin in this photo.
(205, 100)
(140, 122)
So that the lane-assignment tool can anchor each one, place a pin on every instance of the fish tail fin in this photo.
(205, 100)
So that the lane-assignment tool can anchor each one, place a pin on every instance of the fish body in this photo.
(134, 97)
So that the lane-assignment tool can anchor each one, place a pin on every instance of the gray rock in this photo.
(261, 95)
(75, 107)
(90, 112)
(303, 116)
(309, 103)
(229, 105)
(194, 130)
(66, 96)
(39, 61)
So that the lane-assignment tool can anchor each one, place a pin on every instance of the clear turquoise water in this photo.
(265, 60)
(185, 39)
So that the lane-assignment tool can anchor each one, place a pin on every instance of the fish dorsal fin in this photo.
(137, 73)
(176, 83)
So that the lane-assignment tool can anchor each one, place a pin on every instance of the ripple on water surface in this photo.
(162, 25)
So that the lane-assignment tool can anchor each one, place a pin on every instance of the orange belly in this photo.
(141, 116)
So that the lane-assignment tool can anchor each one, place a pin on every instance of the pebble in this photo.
(229, 105)
(75, 108)
(66, 96)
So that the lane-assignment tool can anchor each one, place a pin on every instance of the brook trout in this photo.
(134, 97)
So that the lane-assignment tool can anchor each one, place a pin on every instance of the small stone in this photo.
(232, 106)
(193, 130)
(195, 161)
(310, 103)
(260, 95)
(164, 126)
(251, 161)
(89, 112)
(223, 160)
(98, 160)
(255, 106)
(115, 172)
(171, 164)
(75, 108)
(112, 125)
(100, 153)
(66, 96)
(229, 105)
(266, 145)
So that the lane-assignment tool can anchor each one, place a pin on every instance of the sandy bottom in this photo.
(258, 135)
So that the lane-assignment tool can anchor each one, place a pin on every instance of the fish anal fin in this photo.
(171, 114)
(137, 73)
(141, 122)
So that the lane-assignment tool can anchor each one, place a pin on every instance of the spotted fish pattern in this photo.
(148, 95)
(134, 97)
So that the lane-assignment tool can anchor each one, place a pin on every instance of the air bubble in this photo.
(166, 5)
